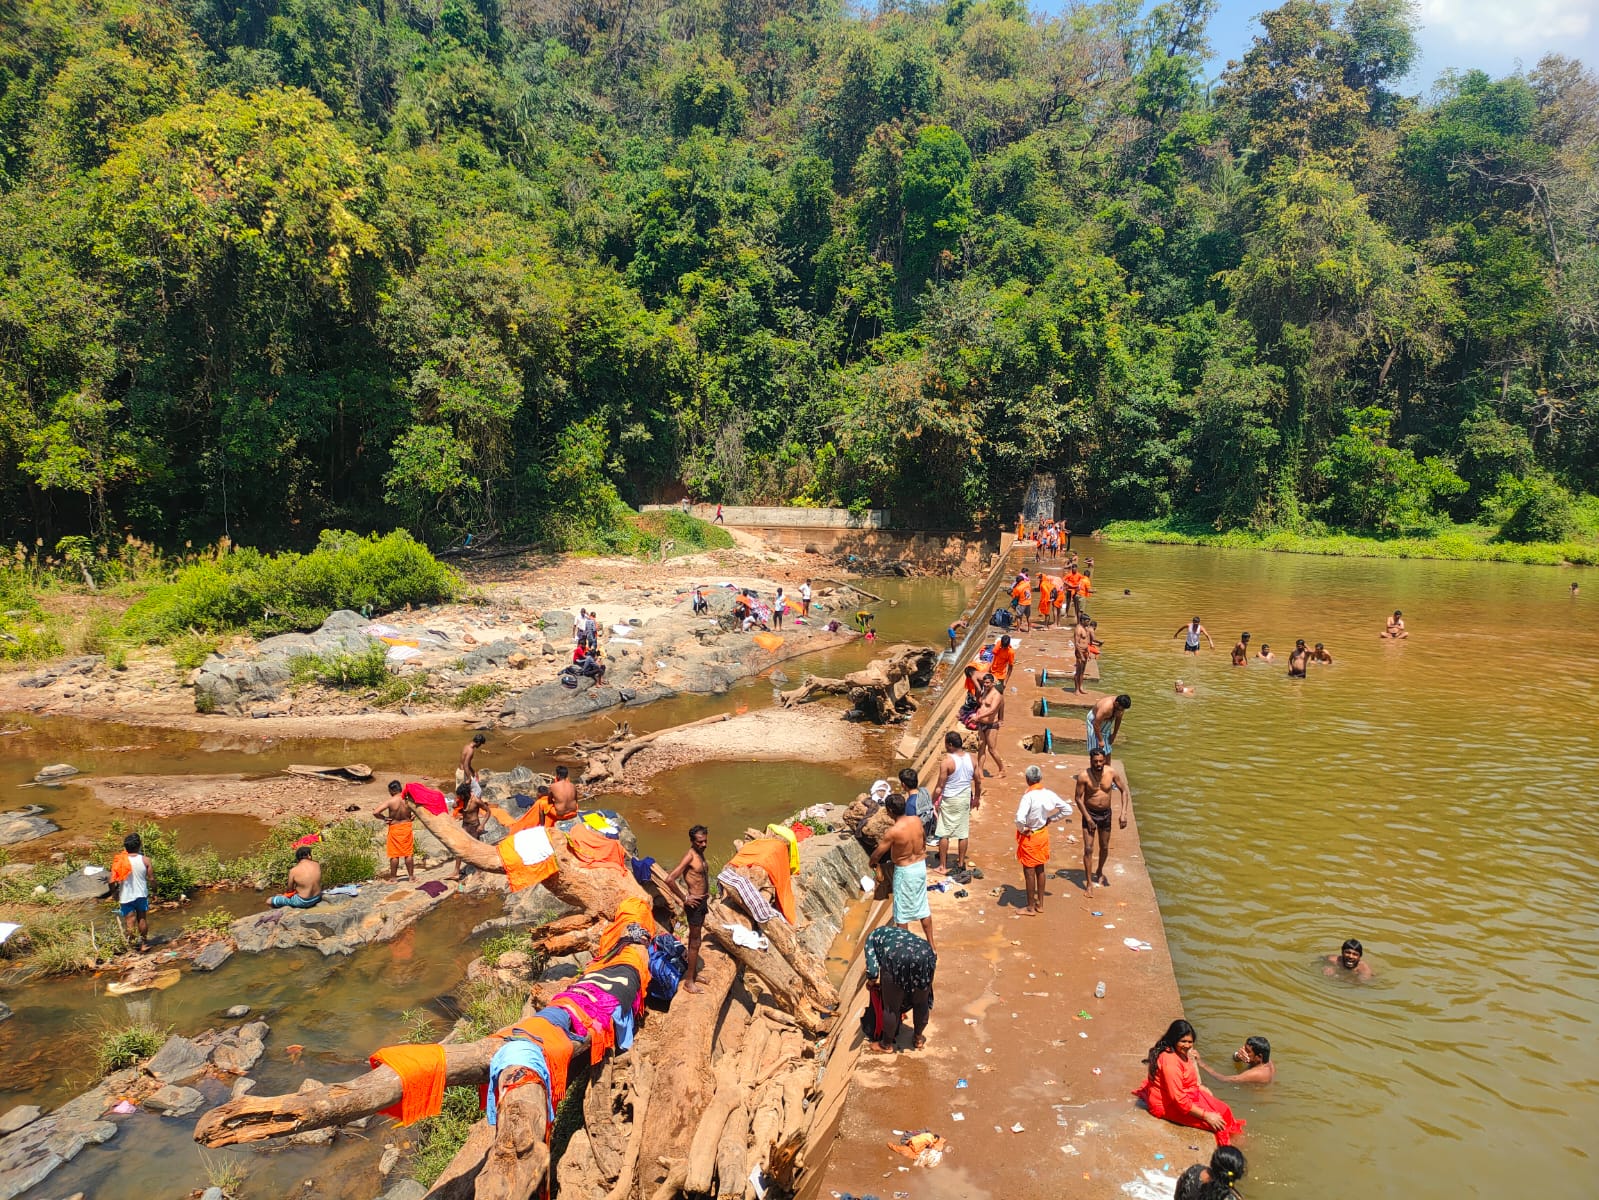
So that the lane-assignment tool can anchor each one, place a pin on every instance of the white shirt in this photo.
(137, 885)
(1039, 806)
(960, 779)
(805, 591)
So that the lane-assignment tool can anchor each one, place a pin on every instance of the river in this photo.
(1433, 797)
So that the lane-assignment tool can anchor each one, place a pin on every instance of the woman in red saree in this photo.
(1173, 1091)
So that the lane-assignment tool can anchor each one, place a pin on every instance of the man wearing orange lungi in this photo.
(402, 838)
(1039, 806)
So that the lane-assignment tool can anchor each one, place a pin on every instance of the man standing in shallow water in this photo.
(1350, 960)
(1095, 788)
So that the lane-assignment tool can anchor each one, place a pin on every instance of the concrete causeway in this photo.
(1026, 1073)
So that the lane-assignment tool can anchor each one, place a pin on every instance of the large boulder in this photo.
(232, 686)
(80, 886)
(55, 771)
(486, 658)
(338, 926)
(179, 1061)
(25, 824)
(174, 1101)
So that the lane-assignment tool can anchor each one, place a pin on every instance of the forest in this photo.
(503, 267)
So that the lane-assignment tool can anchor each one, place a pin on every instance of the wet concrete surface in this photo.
(1015, 1016)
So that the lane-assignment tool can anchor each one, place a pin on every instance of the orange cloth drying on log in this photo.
(401, 842)
(121, 866)
(542, 813)
(1032, 849)
(528, 857)
(601, 1034)
(557, 1051)
(421, 1072)
(635, 910)
(592, 848)
(771, 855)
(1175, 1089)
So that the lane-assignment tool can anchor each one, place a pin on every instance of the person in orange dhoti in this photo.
(401, 842)
(1038, 807)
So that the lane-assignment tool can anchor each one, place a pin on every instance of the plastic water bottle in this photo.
(1099, 990)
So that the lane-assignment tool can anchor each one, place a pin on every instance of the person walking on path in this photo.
(904, 844)
(1173, 1091)
(1038, 807)
(1105, 721)
(957, 794)
(988, 718)
(695, 893)
(1191, 633)
(1096, 788)
(719, 520)
(131, 873)
(805, 599)
(899, 978)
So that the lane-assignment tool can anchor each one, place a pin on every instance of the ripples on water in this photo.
(1434, 798)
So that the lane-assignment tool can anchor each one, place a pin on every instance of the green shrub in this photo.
(404, 689)
(65, 943)
(342, 669)
(505, 943)
(245, 589)
(191, 649)
(487, 1005)
(1534, 509)
(216, 921)
(122, 1046)
(26, 639)
(440, 1137)
(477, 693)
(689, 534)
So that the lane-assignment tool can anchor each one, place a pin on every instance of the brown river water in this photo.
(1432, 797)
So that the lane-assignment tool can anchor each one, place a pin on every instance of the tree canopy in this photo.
(470, 265)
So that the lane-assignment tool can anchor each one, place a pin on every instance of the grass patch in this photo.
(506, 943)
(122, 1046)
(421, 1026)
(18, 888)
(487, 1006)
(404, 689)
(342, 669)
(688, 535)
(217, 921)
(345, 853)
(191, 649)
(62, 943)
(1460, 543)
(476, 693)
(440, 1137)
(224, 1171)
(233, 589)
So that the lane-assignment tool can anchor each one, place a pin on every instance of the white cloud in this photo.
(1508, 24)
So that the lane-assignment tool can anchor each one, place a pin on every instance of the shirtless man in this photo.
(1255, 1055)
(1298, 660)
(464, 769)
(1082, 639)
(1396, 626)
(1320, 655)
(1241, 650)
(695, 895)
(401, 847)
(956, 796)
(1094, 805)
(1191, 633)
(563, 793)
(1350, 959)
(1265, 654)
(1105, 722)
(990, 715)
(904, 844)
(305, 882)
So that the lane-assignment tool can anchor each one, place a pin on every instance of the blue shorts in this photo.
(140, 906)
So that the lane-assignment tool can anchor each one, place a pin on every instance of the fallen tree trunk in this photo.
(520, 1158)
(607, 761)
(881, 690)
(858, 590)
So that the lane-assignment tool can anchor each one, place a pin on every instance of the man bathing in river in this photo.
(1298, 660)
(1320, 655)
(905, 845)
(695, 894)
(1396, 626)
(1350, 960)
(957, 794)
(396, 813)
(305, 882)
(1255, 1057)
(1037, 808)
(463, 769)
(1191, 633)
(1082, 649)
(1105, 722)
(1241, 650)
(1094, 804)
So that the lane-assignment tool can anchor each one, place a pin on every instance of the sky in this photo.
(1491, 34)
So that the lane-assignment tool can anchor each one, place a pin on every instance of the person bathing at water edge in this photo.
(1254, 1056)
(1105, 721)
(1095, 789)
(1396, 626)
(305, 882)
(1213, 1181)
(1038, 807)
(1350, 960)
(1173, 1091)
(1191, 633)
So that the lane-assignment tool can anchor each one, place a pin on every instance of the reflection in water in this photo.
(1432, 798)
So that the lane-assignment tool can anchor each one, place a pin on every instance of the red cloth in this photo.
(801, 831)
(1175, 1090)
(426, 797)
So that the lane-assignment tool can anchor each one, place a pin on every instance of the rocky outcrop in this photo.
(236, 682)
(81, 885)
(340, 924)
(831, 867)
(28, 1156)
(25, 824)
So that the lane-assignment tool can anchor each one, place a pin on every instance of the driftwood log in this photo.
(606, 761)
(881, 690)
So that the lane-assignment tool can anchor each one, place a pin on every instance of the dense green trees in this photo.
(275, 266)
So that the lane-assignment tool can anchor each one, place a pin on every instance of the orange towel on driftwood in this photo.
(1032, 849)
(557, 1050)
(542, 813)
(592, 848)
(771, 855)
(421, 1072)
(401, 841)
(635, 910)
(528, 857)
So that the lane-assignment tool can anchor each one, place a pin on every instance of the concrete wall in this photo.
(929, 550)
(786, 518)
